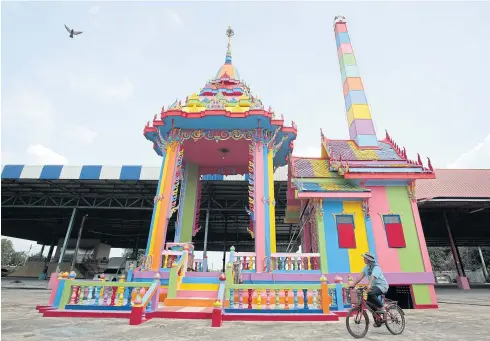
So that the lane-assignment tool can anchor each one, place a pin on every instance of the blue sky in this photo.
(86, 100)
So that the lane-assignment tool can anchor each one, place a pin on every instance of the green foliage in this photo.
(128, 253)
(7, 251)
(10, 257)
(442, 258)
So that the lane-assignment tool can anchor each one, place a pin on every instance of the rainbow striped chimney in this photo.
(361, 127)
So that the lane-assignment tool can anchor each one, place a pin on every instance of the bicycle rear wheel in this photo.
(395, 320)
(359, 320)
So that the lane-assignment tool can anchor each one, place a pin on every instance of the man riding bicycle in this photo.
(377, 284)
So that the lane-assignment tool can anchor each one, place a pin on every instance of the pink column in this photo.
(420, 232)
(378, 204)
(259, 227)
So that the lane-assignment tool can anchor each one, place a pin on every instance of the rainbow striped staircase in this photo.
(195, 297)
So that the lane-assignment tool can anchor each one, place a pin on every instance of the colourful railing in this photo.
(176, 273)
(145, 304)
(98, 295)
(295, 261)
(245, 259)
(169, 257)
(278, 261)
(198, 265)
(313, 297)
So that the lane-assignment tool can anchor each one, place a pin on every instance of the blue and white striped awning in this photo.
(100, 172)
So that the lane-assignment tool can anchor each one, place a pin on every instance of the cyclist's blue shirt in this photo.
(379, 279)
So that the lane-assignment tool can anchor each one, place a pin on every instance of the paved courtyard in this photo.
(464, 317)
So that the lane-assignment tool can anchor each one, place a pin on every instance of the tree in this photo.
(441, 259)
(128, 253)
(10, 257)
(7, 251)
(18, 259)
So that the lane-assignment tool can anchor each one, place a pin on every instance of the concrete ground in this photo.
(465, 316)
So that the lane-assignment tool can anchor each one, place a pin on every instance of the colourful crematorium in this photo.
(357, 196)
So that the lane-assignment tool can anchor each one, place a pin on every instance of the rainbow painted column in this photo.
(164, 202)
(189, 203)
(361, 127)
(259, 212)
(269, 203)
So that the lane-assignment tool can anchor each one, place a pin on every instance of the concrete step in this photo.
(163, 293)
(201, 280)
(182, 313)
(199, 286)
(189, 302)
(197, 293)
(193, 274)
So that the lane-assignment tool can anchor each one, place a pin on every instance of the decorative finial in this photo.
(430, 165)
(230, 33)
(338, 18)
(419, 159)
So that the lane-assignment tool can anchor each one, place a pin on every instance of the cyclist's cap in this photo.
(369, 256)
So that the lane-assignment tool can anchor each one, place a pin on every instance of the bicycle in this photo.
(358, 312)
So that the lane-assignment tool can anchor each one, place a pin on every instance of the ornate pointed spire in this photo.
(228, 71)
(361, 127)
(229, 33)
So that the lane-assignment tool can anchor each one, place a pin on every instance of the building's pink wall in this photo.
(378, 204)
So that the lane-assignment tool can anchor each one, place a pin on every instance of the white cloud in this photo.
(172, 19)
(476, 157)
(99, 88)
(94, 10)
(81, 133)
(45, 156)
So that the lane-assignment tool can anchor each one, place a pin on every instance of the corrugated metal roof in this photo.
(455, 183)
(102, 172)
(449, 183)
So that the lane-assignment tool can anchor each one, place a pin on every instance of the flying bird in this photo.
(72, 31)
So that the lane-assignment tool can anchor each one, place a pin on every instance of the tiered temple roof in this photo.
(215, 110)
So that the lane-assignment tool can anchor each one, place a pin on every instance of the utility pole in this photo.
(484, 266)
(67, 238)
(75, 254)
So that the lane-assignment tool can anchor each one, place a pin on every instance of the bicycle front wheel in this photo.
(395, 320)
(357, 322)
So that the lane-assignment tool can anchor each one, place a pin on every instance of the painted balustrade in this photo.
(291, 297)
(198, 265)
(98, 295)
(169, 257)
(286, 297)
(294, 261)
(245, 259)
(300, 297)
